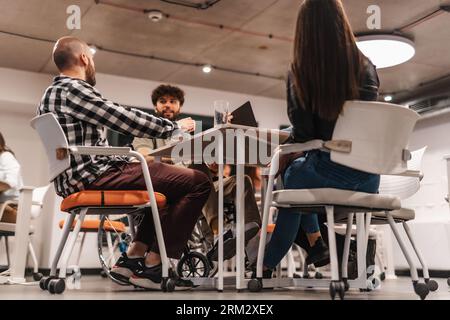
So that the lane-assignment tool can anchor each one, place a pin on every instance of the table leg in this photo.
(22, 235)
(240, 211)
(220, 174)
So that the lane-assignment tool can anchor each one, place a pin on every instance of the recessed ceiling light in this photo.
(386, 50)
(388, 98)
(207, 68)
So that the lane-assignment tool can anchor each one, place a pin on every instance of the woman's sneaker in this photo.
(150, 279)
(125, 267)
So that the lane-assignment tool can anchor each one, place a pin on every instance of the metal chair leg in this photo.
(8, 258)
(420, 289)
(62, 243)
(332, 244)
(432, 285)
(348, 235)
(71, 244)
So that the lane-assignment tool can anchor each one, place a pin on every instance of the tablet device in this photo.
(244, 116)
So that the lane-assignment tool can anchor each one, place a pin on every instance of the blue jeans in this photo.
(314, 170)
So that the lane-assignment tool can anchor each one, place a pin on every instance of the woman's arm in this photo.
(302, 121)
(4, 186)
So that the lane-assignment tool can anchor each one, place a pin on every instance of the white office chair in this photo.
(9, 229)
(368, 136)
(405, 187)
(92, 201)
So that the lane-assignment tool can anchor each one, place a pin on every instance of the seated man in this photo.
(168, 101)
(83, 113)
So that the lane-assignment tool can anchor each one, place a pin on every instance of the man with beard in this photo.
(168, 101)
(83, 114)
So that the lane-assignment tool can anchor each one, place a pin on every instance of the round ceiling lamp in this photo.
(386, 50)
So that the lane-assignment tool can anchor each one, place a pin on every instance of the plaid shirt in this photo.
(83, 115)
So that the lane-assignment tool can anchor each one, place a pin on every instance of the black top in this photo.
(307, 126)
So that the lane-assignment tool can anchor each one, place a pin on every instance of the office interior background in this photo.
(247, 46)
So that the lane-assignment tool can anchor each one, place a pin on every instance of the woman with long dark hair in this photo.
(10, 180)
(327, 70)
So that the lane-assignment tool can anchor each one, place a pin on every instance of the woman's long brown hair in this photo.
(3, 146)
(327, 63)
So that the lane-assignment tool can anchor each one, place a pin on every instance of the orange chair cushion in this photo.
(270, 228)
(107, 198)
(93, 225)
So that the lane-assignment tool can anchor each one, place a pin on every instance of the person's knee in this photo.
(202, 183)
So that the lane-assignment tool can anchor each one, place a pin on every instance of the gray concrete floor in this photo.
(97, 288)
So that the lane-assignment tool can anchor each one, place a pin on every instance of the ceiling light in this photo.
(207, 68)
(386, 50)
(155, 15)
(93, 49)
(388, 98)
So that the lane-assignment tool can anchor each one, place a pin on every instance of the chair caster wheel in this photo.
(254, 285)
(37, 276)
(56, 286)
(43, 283)
(318, 275)
(346, 285)
(448, 282)
(432, 285)
(383, 276)
(421, 289)
(168, 285)
(103, 274)
(164, 285)
(337, 287)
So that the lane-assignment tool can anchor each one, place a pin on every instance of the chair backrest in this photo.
(53, 138)
(379, 135)
(404, 187)
(38, 200)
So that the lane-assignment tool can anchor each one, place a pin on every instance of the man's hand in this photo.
(214, 168)
(228, 117)
(187, 124)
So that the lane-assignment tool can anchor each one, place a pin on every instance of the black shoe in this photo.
(229, 247)
(318, 255)
(125, 267)
(150, 278)
(267, 274)
(229, 242)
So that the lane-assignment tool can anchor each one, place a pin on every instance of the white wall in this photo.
(432, 224)
(20, 93)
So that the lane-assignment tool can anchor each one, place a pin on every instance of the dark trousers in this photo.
(186, 191)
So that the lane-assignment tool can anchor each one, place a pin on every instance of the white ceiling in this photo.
(131, 31)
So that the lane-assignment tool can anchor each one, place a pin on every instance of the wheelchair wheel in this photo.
(193, 265)
(110, 246)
